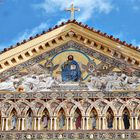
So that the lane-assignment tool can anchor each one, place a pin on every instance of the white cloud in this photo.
(88, 7)
(26, 34)
(61, 20)
(135, 43)
(119, 35)
(136, 8)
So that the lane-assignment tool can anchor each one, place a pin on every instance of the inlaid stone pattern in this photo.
(71, 44)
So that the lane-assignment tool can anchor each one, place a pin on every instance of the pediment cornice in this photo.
(60, 36)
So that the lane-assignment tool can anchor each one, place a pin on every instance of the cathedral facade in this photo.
(70, 82)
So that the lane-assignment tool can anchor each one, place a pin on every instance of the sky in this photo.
(20, 19)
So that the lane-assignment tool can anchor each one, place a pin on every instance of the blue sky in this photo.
(20, 19)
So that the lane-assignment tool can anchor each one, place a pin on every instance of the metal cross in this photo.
(72, 10)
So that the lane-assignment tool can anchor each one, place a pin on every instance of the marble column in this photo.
(136, 122)
(99, 123)
(23, 122)
(87, 123)
(6, 127)
(104, 126)
(55, 123)
(116, 123)
(67, 123)
(19, 119)
(120, 123)
(34, 123)
(83, 119)
(39, 119)
(71, 123)
(51, 122)
(132, 123)
(3, 120)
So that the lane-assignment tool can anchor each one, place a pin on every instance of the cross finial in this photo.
(72, 10)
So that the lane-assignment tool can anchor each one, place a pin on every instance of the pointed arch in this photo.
(61, 106)
(13, 107)
(93, 105)
(122, 109)
(76, 105)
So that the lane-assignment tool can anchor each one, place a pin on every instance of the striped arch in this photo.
(112, 108)
(63, 106)
(93, 105)
(122, 109)
(77, 105)
(44, 105)
(28, 105)
(13, 106)
(110, 104)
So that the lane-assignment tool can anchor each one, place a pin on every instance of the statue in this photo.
(70, 70)
(77, 120)
(126, 120)
(45, 119)
(62, 120)
(93, 119)
(29, 121)
(110, 120)
(14, 121)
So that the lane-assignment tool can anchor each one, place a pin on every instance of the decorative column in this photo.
(6, 127)
(39, 119)
(51, 122)
(67, 123)
(23, 119)
(71, 122)
(87, 120)
(35, 123)
(116, 124)
(3, 119)
(55, 125)
(19, 123)
(136, 122)
(99, 121)
(120, 123)
(83, 119)
(132, 123)
(104, 126)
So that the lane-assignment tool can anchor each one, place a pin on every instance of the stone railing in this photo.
(69, 94)
(41, 135)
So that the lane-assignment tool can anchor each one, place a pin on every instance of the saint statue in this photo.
(126, 120)
(70, 70)
(77, 120)
(93, 120)
(110, 120)
(45, 119)
(62, 120)
(29, 121)
(14, 121)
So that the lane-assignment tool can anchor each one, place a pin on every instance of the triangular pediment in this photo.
(70, 35)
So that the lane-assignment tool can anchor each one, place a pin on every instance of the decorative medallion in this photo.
(23, 95)
(38, 95)
(84, 95)
(54, 96)
(8, 96)
(69, 96)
